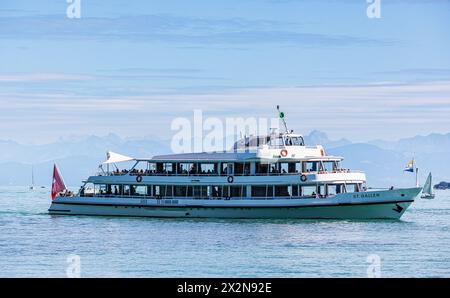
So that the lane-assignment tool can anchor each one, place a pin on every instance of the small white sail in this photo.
(427, 186)
(426, 192)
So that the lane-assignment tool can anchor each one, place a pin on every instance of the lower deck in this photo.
(376, 204)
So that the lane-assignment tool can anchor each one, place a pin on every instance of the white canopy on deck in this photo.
(113, 157)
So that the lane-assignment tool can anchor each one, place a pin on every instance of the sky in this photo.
(132, 67)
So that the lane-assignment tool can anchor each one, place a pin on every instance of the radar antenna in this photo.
(281, 115)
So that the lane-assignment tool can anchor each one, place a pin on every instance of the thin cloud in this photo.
(173, 29)
(358, 112)
(39, 77)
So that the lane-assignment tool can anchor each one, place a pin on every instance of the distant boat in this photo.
(426, 192)
(32, 187)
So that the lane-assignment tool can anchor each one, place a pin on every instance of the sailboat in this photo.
(426, 192)
(32, 187)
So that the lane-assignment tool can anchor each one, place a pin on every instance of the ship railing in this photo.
(277, 173)
(221, 198)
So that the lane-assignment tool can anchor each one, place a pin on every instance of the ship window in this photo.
(187, 168)
(262, 191)
(274, 168)
(182, 168)
(238, 191)
(294, 190)
(351, 187)
(204, 191)
(157, 190)
(215, 191)
(199, 191)
(312, 166)
(294, 141)
(87, 190)
(241, 168)
(277, 142)
(334, 189)
(261, 168)
(179, 190)
(263, 141)
(126, 190)
(238, 168)
(328, 166)
(284, 167)
(226, 191)
(308, 191)
(196, 191)
(331, 190)
(159, 167)
(115, 190)
(253, 142)
(259, 191)
(162, 190)
(193, 169)
(140, 190)
(321, 190)
(269, 191)
(227, 169)
(281, 191)
(169, 190)
(168, 168)
(151, 168)
(336, 165)
(208, 168)
(293, 167)
(100, 189)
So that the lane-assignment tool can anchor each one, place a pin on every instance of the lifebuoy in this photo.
(230, 179)
(139, 178)
(284, 152)
(303, 177)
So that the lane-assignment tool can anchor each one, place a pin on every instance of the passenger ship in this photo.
(273, 176)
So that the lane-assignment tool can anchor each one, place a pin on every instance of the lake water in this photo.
(35, 244)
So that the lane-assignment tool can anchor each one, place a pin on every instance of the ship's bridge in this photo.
(280, 140)
(283, 145)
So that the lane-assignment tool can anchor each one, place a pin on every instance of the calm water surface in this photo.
(33, 243)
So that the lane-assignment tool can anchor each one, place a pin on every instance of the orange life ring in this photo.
(284, 152)
(322, 152)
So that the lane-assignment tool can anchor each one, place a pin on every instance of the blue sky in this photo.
(131, 67)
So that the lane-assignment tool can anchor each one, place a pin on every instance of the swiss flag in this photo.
(58, 183)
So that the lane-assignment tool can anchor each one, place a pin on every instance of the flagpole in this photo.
(417, 172)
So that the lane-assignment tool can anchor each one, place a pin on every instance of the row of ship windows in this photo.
(236, 168)
(216, 191)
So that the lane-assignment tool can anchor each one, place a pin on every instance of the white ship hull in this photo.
(388, 204)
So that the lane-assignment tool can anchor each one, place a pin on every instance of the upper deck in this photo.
(276, 154)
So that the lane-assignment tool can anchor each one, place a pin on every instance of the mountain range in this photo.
(78, 157)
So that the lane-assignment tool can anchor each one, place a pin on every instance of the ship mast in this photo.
(281, 115)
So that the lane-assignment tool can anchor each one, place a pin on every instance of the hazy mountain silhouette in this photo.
(78, 157)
